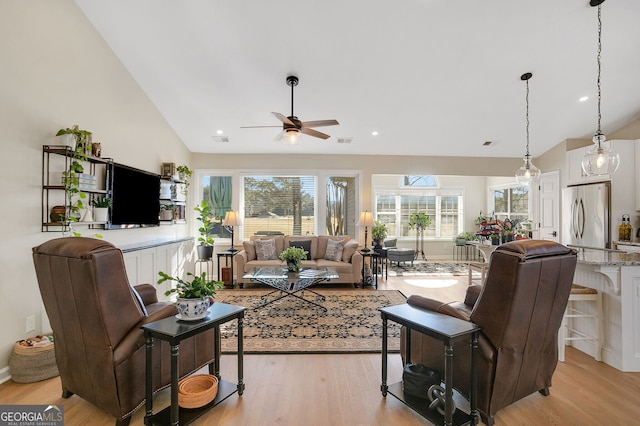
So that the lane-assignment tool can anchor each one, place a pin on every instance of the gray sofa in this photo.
(349, 267)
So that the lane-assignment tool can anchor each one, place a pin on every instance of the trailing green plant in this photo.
(70, 176)
(185, 174)
(101, 202)
(197, 288)
(379, 231)
(205, 216)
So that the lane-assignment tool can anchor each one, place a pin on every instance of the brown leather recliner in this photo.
(96, 317)
(519, 308)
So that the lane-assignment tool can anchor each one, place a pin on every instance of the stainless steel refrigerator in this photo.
(586, 215)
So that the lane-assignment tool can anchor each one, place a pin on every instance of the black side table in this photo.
(383, 261)
(448, 330)
(174, 331)
(228, 254)
(373, 264)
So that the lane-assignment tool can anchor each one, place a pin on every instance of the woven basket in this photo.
(197, 390)
(32, 364)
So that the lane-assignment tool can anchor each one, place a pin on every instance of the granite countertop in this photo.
(606, 257)
(626, 243)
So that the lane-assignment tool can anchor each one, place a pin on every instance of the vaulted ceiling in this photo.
(432, 77)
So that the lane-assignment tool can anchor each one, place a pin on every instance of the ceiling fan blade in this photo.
(255, 127)
(319, 123)
(283, 118)
(314, 133)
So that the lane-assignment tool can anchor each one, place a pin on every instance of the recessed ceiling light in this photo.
(219, 132)
(374, 133)
(584, 98)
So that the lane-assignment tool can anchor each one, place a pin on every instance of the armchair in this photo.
(96, 317)
(520, 309)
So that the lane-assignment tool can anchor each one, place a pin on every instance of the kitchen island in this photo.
(616, 275)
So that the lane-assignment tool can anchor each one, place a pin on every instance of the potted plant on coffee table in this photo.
(205, 217)
(379, 233)
(293, 256)
(195, 296)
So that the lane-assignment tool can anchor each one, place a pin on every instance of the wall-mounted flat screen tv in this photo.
(135, 198)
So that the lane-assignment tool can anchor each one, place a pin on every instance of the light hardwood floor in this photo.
(344, 389)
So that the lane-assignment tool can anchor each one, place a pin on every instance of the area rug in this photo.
(429, 268)
(351, 324)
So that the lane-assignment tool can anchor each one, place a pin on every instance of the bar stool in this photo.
(480, 267)
(567, 333)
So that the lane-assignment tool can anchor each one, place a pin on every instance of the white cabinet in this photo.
(143, 264)
(636, 178)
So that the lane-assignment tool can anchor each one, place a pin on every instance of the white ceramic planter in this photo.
(193, 309)
(100, 214)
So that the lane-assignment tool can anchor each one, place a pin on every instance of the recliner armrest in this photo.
(436, 306)
(147, 293)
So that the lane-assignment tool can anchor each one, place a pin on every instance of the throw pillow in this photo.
(349, 249)
(304, 245)
(266, 249)
(250, 249)
(390, 242)
(334, 250)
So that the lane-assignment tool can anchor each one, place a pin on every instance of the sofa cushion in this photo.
(334, 250)
(322, 243)
(250, 249)
(391, 242)
(266, 249)
(304, 245)
(349, 249)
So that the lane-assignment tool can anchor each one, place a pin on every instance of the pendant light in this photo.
(600, 159)
(527, 173)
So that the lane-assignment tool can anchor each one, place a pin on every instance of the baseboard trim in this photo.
(5, 375)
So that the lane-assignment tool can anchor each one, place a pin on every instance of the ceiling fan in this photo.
(292, 127)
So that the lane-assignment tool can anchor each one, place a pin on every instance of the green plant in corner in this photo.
(197, 288)
(184, 174)
(420, 221)
(379, 232)
(205, 216)
(101, 202)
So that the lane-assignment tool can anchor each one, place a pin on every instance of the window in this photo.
(397, 199)
(217, 191)
(279, 205)
(511, 202)
(341, 205)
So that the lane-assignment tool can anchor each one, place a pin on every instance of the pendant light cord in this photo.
(527, 115)
(599, 66)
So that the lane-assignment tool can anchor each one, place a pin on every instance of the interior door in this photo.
(549, 207)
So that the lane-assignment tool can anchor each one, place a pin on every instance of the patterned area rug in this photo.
(351, 324)
(429, 268)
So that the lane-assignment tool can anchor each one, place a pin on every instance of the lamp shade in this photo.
(231, 218)
(600, 159)
(291, 136)
(366, 219)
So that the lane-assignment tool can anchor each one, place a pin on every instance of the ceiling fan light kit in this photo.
(292, 127)
(527, 173)
(600, 159)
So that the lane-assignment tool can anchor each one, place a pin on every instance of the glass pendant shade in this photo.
(600, 159)
(291, 137)
(527, 173)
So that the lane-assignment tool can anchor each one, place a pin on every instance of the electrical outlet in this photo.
(31, 323)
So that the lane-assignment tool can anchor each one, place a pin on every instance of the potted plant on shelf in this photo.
(462, 238)
(70, 177)
(166, 211)
(101, 208)
(293, 256)
(379, 233)
(194, 296)
(184, 174)
(205, 216)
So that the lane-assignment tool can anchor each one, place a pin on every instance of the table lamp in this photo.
(366, 220)
(231, 219)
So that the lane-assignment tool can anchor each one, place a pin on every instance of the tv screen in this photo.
(135, 198)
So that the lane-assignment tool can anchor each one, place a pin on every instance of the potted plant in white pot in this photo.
(184, 174)
(205, 217)
(194, 296)
(293, 256)
(101, 209)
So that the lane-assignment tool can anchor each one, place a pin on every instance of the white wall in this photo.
(56, 72)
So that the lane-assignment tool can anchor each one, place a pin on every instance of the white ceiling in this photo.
(433, 77)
